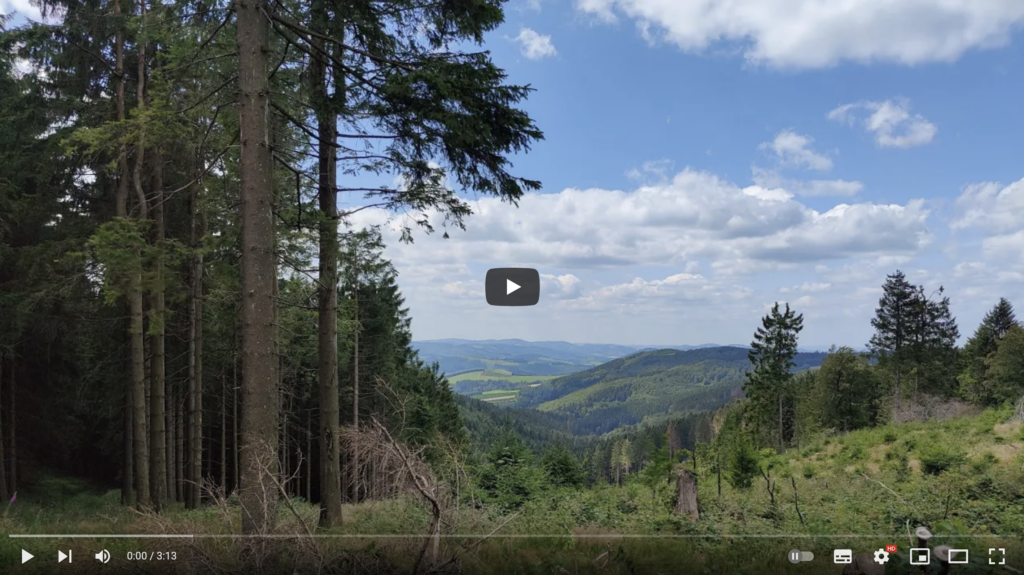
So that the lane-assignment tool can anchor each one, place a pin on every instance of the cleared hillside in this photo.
(627, 390)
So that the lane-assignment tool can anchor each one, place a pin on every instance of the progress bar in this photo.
(481, 536)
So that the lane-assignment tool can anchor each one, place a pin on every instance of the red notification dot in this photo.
(890, 548)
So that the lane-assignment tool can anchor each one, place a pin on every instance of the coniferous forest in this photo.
(195, 338)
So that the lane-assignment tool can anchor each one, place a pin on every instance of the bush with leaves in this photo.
(509, 477)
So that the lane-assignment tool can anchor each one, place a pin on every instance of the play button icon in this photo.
(512, 286)
(26, 556)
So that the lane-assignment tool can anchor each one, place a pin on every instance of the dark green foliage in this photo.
(1005, 368)
(892, 324)
(743, 464)
(485, 422)
(772, 357)
(847, 391)
(915, 338)
(509, 478)
(562, 468)
(645, 387)
(978, 381)
(936, 457)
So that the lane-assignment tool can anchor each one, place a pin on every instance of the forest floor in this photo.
(964, 478)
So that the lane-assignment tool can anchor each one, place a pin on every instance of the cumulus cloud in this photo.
(992, 206)
(793, 149)
(535, 46)
(890, 121)
(694, 215)
(997, 212)
(816, 34)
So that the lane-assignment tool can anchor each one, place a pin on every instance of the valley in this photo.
(638, 387)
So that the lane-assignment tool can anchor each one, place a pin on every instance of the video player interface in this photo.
(587, 287)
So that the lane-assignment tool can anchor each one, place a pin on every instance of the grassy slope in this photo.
(847, 484)
(491, 375)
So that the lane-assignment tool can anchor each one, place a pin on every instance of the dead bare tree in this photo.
(769, 484)
(796, 502)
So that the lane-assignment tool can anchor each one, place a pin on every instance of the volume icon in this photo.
(103, 556)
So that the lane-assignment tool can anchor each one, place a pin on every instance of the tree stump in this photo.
(686, 494)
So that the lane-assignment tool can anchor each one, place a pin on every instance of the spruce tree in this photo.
(767, 385)
(1000, 319)
(976, 381)
(892, 323)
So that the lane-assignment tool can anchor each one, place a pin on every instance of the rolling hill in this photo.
(644, 385)
(527, 358)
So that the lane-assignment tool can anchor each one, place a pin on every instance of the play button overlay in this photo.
(512, 286)
(26, 556)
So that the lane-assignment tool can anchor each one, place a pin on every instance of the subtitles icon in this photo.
(842, 556)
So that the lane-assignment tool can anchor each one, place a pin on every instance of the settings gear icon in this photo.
(881, 556)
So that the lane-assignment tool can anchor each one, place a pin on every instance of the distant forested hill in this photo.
(519, 357)
(649, 384)
(539, 430)
(457, 356)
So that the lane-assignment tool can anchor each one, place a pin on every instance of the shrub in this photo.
(743, 465)
(808, 471)
(898, 463)
(890, 435)
(936, 458)
(984, 462)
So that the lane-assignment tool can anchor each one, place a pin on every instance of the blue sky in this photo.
(707, 158)
(666, 121)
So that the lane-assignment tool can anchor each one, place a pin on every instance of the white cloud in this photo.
(890, 121)
(822, 33)
(657, 168)
(991, 206)
(694, 215)
(535, 46)
(772, 179)
(26, 9)
(794, 150)
(693, 259)
(806, 287)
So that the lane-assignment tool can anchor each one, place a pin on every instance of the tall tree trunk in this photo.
(309, 460)
(328, 307)
(224, 432)
(158, 430)
(179, 445)
(12, 427)
(330, 457)
(3, 446)
(140, 436)
(121, 202)
(259, 275)
(194, 464)
(234, 421)
(782, 440)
